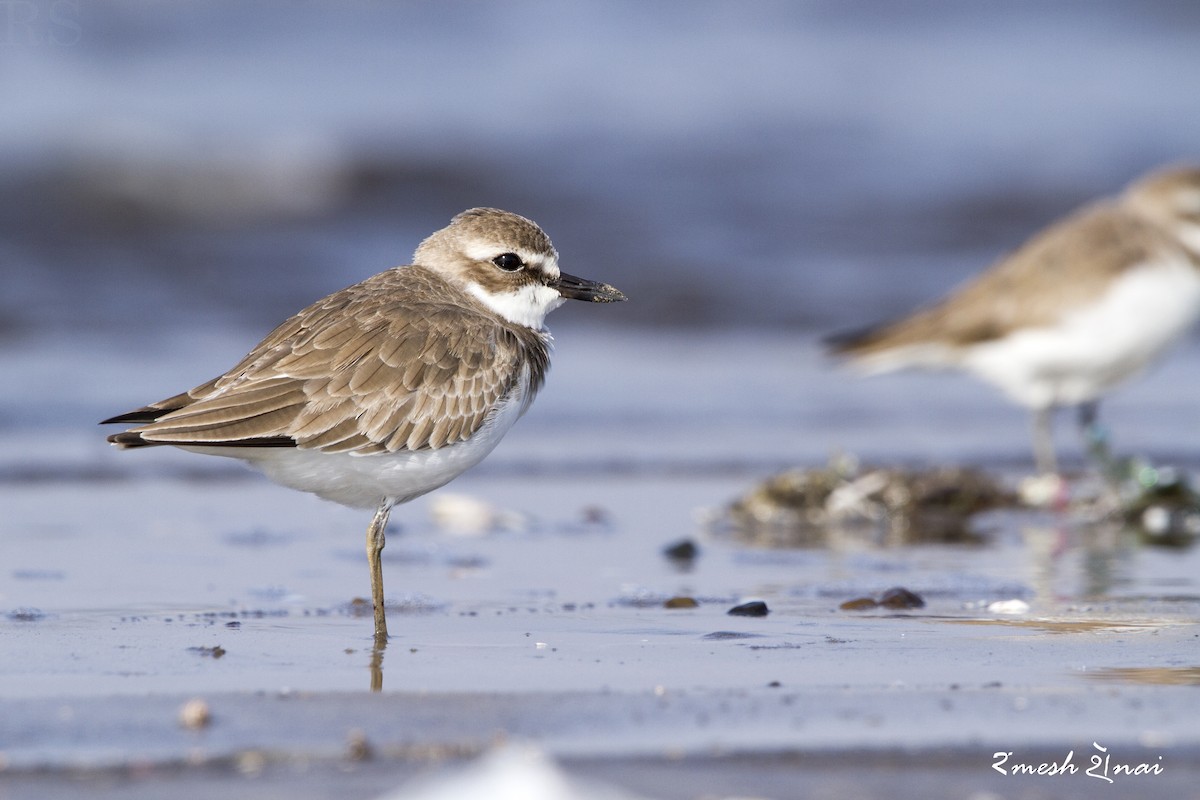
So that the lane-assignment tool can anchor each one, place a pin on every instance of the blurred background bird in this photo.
(1082, 306)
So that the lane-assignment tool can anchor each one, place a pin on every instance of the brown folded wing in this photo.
(396, 362)
(1068, 264)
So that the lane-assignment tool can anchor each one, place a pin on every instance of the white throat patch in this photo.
(527, 306)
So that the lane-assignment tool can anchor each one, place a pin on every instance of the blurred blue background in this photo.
(809, 165)
(179, 177)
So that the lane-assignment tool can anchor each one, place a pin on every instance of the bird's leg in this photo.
(1043, 441)
(1049, 489)
(1096, 440)
(375, 542)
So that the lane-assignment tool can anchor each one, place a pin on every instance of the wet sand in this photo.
(133, 584)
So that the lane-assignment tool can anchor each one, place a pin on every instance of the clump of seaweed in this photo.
(892, 505)
(1161, 504)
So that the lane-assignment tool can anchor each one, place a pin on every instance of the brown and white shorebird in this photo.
(391, 387)
(1080, 307)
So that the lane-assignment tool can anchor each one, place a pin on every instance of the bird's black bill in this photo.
(574, 288)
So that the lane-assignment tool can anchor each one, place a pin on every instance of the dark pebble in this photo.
(212, 652)
(38, 575)
(684, 550)
(755, 608)
(595, 515)
(720, 636)
(899, 597)
(26, 615)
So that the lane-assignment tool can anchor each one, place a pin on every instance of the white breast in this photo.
(1094, 347)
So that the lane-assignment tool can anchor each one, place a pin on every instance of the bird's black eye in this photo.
(509, 262)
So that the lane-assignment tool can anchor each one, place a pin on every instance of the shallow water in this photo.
(125, 571)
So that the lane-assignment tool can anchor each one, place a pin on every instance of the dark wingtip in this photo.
(134, 439)
(843, 342)
(128, 439)
(146, 414)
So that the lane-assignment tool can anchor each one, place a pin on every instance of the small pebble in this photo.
(195, 715)
(859, 604)
(681, 602)
(26, 615)
(1156, 520)
(899, 597)
(596, 516)
(357, 746)
(464, 515)
(721, 636)
(755, 608)
(1042, 491)
(1013, 606)
(215, 651)
(250, 762)
(683, 550)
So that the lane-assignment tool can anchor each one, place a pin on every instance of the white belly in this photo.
(1093, 348)
(366, 481)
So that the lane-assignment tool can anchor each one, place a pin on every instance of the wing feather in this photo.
(1067, 264)
(401, 361)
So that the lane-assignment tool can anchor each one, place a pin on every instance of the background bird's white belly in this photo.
(364, 481)
(1094, 347)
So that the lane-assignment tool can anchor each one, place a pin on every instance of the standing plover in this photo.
(1081, 306)
(392, 387)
